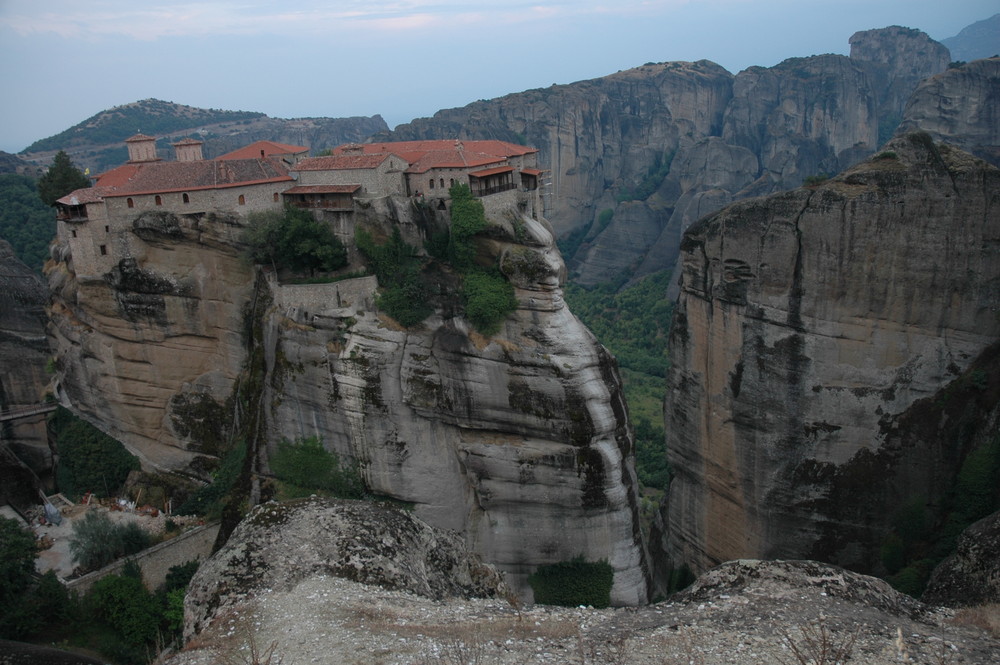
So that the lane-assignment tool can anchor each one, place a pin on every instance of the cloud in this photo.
(100, 19)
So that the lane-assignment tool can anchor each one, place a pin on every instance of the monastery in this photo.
(96, 222)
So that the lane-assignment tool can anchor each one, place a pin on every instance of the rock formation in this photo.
(762, 130)
(24, 353)
(814, 328)
(970, 576)
(960, 106)
(742, 613)
(519, 441)
(360, 541)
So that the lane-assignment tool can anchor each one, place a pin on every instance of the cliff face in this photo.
(808, 324)
(23, 354)
(520, 441)
(961, 106)
(632, 142)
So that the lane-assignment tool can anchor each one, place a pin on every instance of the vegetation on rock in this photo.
(97, 541)
(89, 459)
(25, 221)
(304, 466)
(61, 179)
(293, 239)
(573, 583)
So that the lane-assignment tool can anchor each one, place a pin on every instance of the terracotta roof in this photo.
(441, 154)
(494, 171)
(163, 177)
(341, 162)
(534, 172)
(82, 196)
(188, 141)
(140, 137)
(269, 148)
(323, 189)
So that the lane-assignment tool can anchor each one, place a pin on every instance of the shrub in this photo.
(125, 605)
(489, 299)
(468, 217)
(97, 541)
(397, 268)
(89, 460)
(293, 239)
(17, 569)
(573, 583)
(307, 466)
(208, 500)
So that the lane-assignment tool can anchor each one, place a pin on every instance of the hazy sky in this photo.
(65, 60)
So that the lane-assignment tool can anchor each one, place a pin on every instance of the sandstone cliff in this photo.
(810, 326)
(24, 353)
(520, 441)
(721, 138)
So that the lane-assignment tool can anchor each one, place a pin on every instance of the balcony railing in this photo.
(325, 204)
(486, 191)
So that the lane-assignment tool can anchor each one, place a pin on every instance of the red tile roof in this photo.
(268, 148)
(534, 172)
(82, 196)
(341, 162)
(441, 154)
(163, 177)
(323, 189)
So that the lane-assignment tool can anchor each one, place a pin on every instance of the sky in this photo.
(65, 60)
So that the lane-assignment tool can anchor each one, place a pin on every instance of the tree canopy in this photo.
(294, 239)
(61, 179)
(25, 222)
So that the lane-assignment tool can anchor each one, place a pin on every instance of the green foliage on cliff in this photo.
(651, 182)
(89, 459)
(468, 218)
(573, 583)
(293, 239)
(150, 116)
(61, 179)
(17, 571)
(404, 296)
(489, 299)
(25, 221)
(210, 499)
(305, 467)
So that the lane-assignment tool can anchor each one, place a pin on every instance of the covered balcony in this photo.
(324, 197)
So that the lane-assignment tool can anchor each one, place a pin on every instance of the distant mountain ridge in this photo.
(97, 143)
(976, 41)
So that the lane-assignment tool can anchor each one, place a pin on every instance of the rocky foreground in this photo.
(282, 583)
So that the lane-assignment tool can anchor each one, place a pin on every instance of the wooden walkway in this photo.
(26, 411)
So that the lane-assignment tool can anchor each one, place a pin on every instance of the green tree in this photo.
(307, 466)
(61, 179)
(97, 541)
(17, 569)
(468, 218)
(293, 239)
(125, 605)
(397, 267)
(489, 299)
(89, 459)
(25, 222)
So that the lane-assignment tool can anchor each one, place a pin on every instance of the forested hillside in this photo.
(25, 222)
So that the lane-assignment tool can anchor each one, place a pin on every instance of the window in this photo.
(442, 183)
(276, 197)
(158, 200)
(185, 198)
(73, 231)
(243, 200)
(451, 182)
(107, 229)
(104, 250)
(432, 183)
(130, 202)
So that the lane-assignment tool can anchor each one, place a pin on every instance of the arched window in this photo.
(276, 197)
(158, 199)
(243, 200)
(451, 182)
(442, 183)
(432, 183)
(129, 202)
(185, 198)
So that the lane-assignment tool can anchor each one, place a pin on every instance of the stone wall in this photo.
(302, 299)
(156, 561)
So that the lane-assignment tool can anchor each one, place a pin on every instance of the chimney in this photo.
(188, 150)
(141, 148)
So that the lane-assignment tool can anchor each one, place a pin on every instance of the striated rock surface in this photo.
(24, 352)
(278, 545)
(960, 106)
(970, 576)
(520, 441)
(809, 324)
(721, 138)
(742, 613)
(149, 351)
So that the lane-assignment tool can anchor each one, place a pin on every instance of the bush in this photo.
(307, 466)
(17, 569)
(97, 541)
(573, 583)
(397, 268)
(468, 218)
(293, 239)
(127, 607)
(89, 459)
(208, 500)
(489, 299)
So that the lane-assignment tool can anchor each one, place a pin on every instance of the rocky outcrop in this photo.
(960, 106)
(742, 613)
(24, 353)
(360, 541)
(604, 141)
(519, 441)
(809, 327)
(970, 576)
